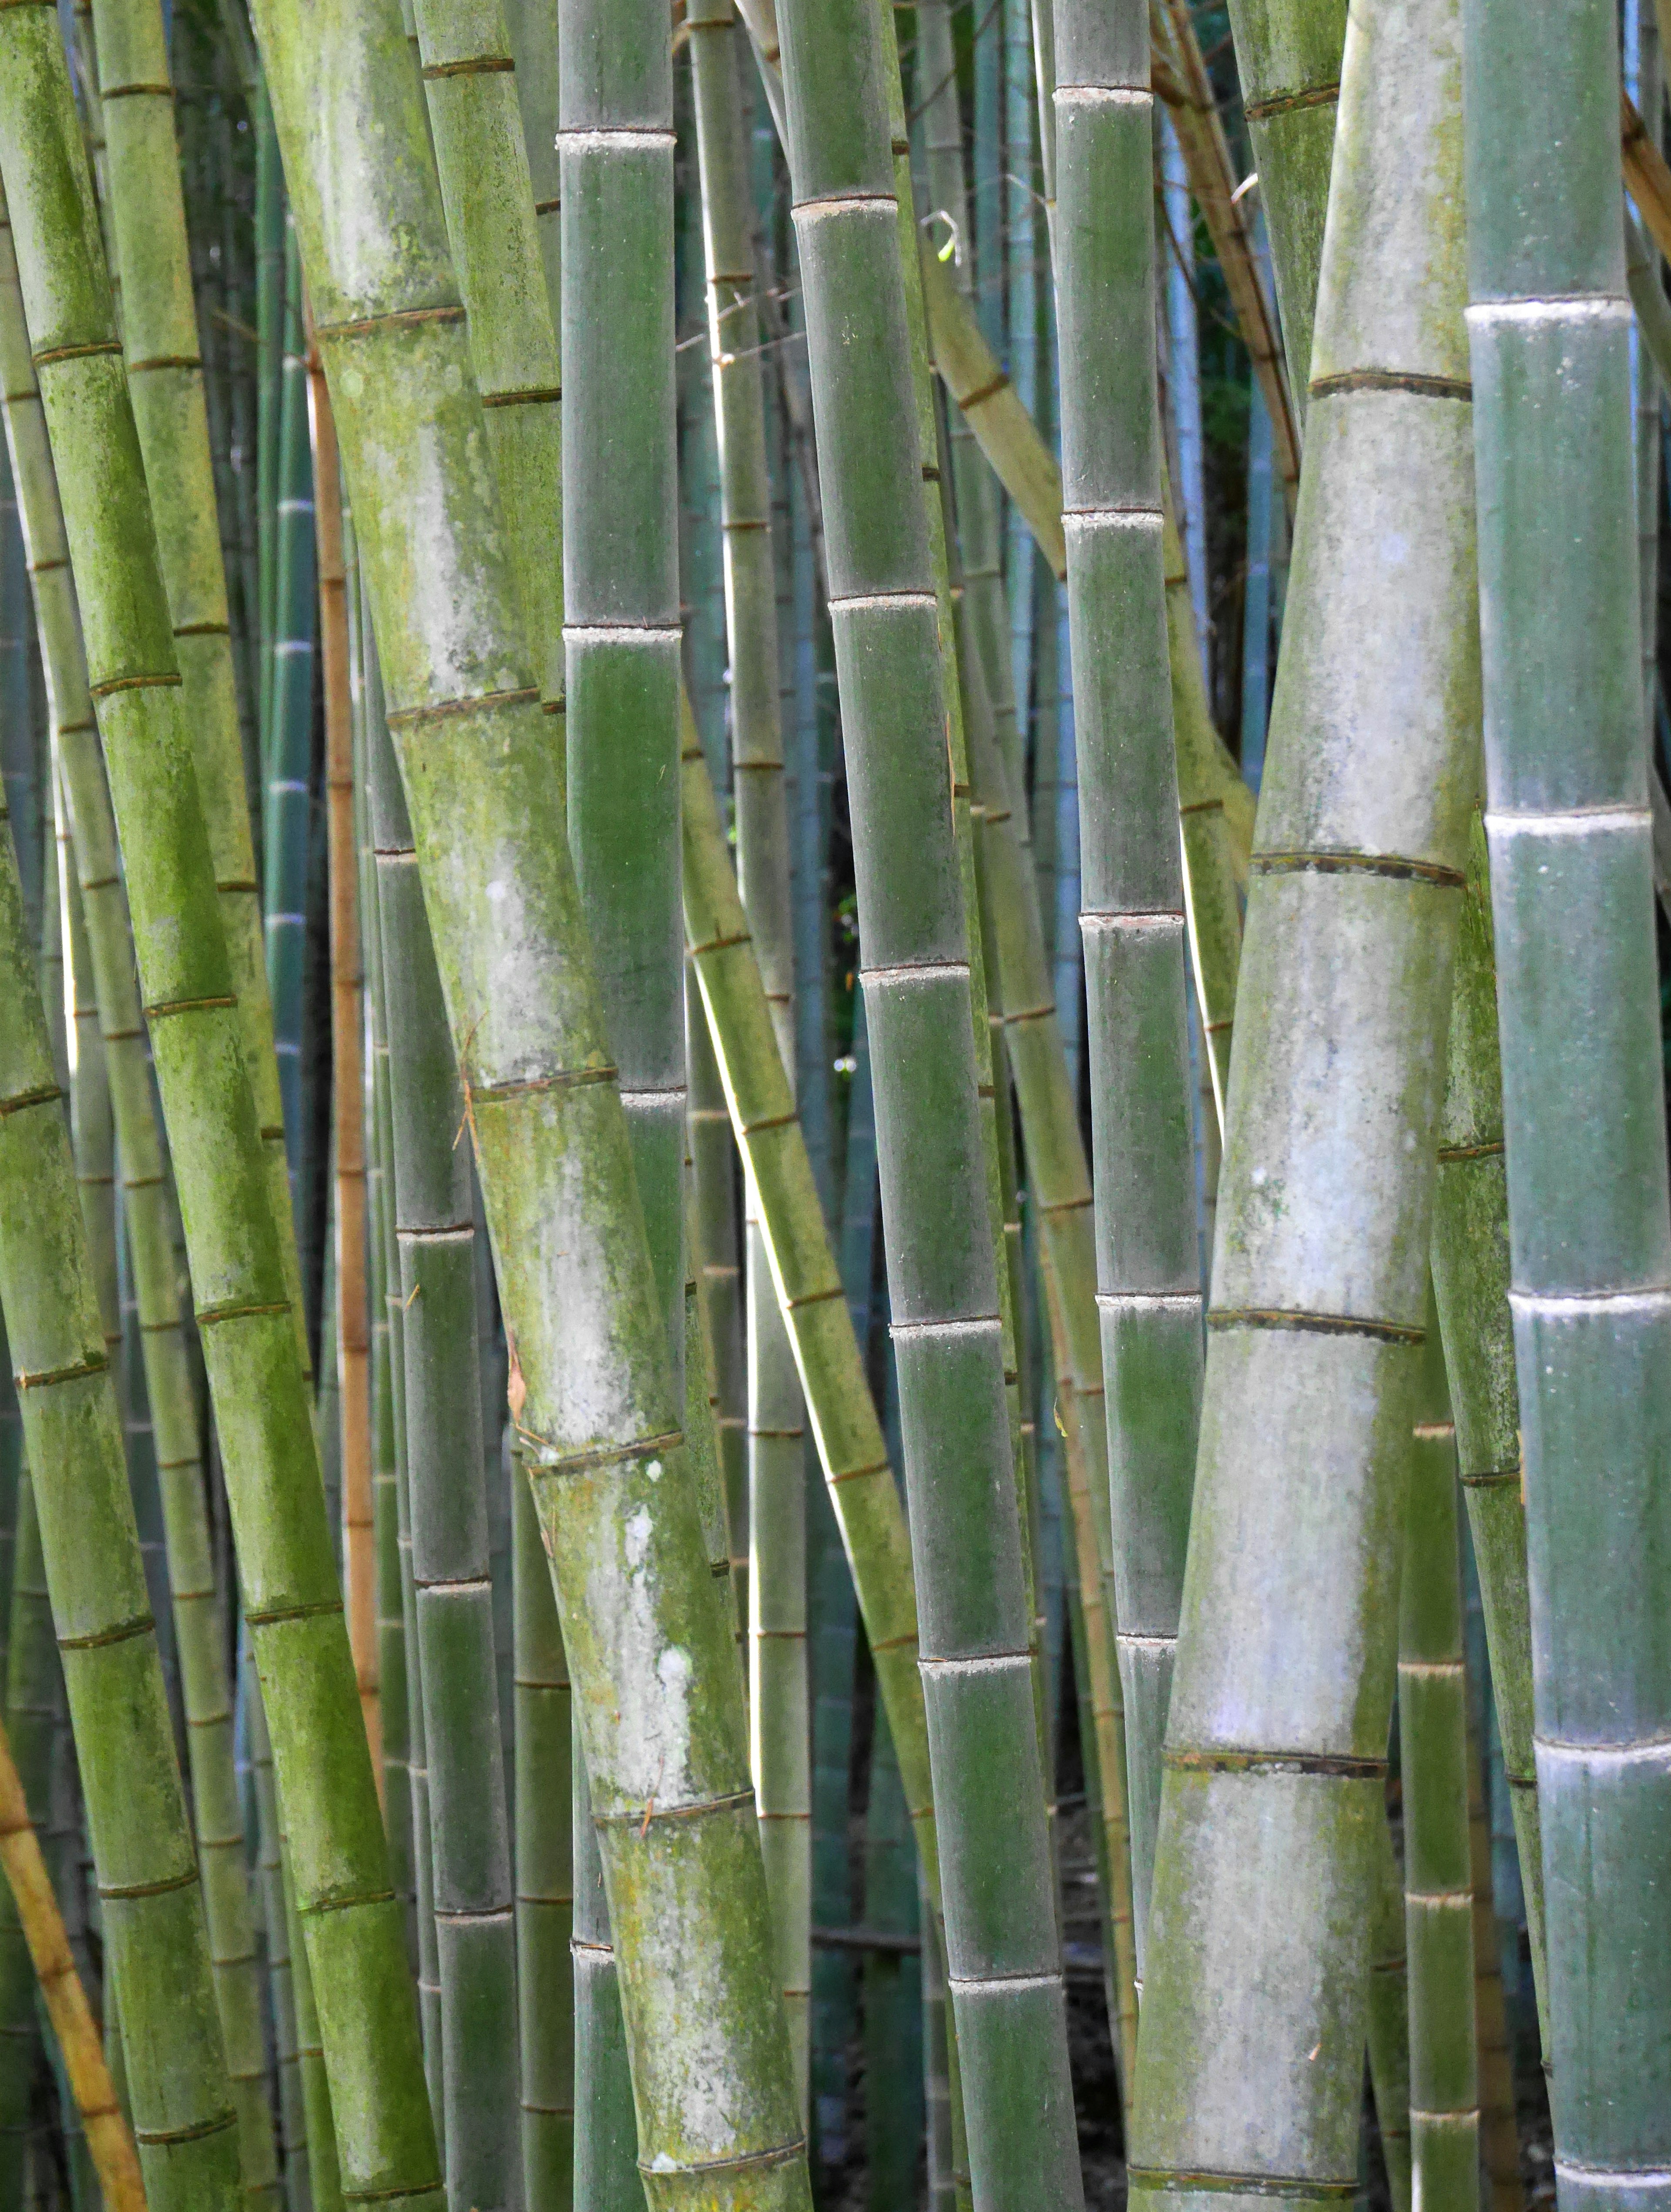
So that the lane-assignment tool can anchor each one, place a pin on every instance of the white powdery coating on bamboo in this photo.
(650, 1761)
(1580, 308)
(1572, 822)
(1102, 96)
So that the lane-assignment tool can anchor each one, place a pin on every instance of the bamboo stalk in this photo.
(1438, 1874)
(666, 1750)
(1569, 831)
(937, 1217)
(353, 1345)
(1250, 2048)
(147, 1208)
(779, 1719)
(1389, 2017)
(1132, 902)
(247, 1318)
(154, 1924)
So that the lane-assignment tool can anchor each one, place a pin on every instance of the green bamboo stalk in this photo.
(1389, 2016)
(246, 1316)
(28, 1638)
(469, 1822)
(608, 2154)
(293, 2125)
(1132, 904)
(1005, 1970)
(197, 1632)
(544, 1868)
(152, 1910)
(160, 338)
(779, 1720)
(1471, 1274)
(1250, 2050)
(845, 1427)
(1582, 1085)
(1499, 2131)
(660, 1714)
(1288, 56)
(1438, 1876)
(270, 385)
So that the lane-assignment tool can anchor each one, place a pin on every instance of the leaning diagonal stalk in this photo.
(1439, 1878)
(152, 1907)
(207, 1694)
(1471, 1282)
(645, 1631)
(1250, 2047)
(160, 333)
(1569, 830)
(1288, 58)
(1132, 907)
(469, 1823)
(247, 1320)
(937, 1220)
(778, 1717)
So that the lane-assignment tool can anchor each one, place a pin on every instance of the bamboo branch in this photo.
(108, 2141)
(1647, 173)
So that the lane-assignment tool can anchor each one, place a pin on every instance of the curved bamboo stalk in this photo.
(1438, 1874)
(713, 1155)
(1250, 2047)
(207, 1694)
(352, 1349)
(154, 1925)
(648, 1639)
(938, 1216)
(779, 1722)
(1288, 56)
(1131, 904)
(109, 2142)
(1470, 1275)
(247, 1319)
(1569, 831)
(1183, 84)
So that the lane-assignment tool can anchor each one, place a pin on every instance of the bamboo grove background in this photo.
(617, 1101)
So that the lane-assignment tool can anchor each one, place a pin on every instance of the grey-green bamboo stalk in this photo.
(1250, 2047)
(1005, 1969)
(1131, 905)
(1584, 1107)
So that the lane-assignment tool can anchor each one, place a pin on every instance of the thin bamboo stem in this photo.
(353, 1345)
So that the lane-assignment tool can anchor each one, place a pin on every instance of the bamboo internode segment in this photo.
(1250, 2053)
(108, 2138)
(1569, 828)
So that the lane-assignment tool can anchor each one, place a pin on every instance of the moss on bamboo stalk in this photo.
(649, 1661)
(1250, 2046)
(1584, 1114)
(149, 1215)
(189, 983)
(147, 1869)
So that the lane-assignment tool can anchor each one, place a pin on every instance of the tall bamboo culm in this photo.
(779, 1725)
(1250, 2049)
(152, 1904)
(198, 1625)
(1438, 1876)
(1005, 1967)
(1583, 1109)
(1132, 916)
(247, 1320)
(646, 1637)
